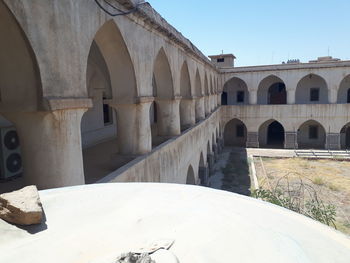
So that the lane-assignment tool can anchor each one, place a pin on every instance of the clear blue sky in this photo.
(260, 32)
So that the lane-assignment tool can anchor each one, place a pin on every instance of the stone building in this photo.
(98, 97)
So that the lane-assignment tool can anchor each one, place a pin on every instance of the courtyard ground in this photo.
(329, 178)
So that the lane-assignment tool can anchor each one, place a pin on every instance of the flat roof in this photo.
(222, 55)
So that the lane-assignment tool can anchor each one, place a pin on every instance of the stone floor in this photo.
(231, 171)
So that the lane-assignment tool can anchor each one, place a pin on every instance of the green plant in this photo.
(300, 198)
(318, 181)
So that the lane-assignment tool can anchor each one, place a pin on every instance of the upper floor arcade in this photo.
(303, 83)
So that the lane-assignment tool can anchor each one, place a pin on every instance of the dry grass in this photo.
(331, 178)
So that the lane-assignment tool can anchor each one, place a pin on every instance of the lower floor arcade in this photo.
(271, 134)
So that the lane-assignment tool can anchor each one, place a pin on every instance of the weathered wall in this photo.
(169, 162)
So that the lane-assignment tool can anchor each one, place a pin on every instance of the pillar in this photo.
(168, 117)
(252, 140)
(203, 174)
(133, 126)
(200, 111)
(290, 96)
(187, 113)
(51, 145)
(219, 99)
(332, 95)
(333, 141)
(253, 97)
(206, 106)
(290, 140)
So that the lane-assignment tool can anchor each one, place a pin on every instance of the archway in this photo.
(344, 90)
(190, 179)
(203, 172)
(311, 89)
(168, 113)
(186, 102)
(311, 135)
(235, 133)
(271, 134)
(21, 93)
(108, 139)
(235, 92)
(206, 94)
(272, 90)
(345, 137)
(199, 107)
(277, 94)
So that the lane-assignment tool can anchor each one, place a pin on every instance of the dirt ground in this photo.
(329, 178)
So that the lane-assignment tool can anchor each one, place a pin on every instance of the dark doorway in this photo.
(275, 134)
(277, 94)
(224, 98)
(347, 138)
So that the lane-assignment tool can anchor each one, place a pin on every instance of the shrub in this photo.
(300, 198)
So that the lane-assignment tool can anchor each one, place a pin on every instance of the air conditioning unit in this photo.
(10, 155)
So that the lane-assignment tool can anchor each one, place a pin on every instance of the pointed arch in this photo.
(311, 134)
(20, 80)
(344, 90)
(206, 85)
(201, 160)
(198, 85)
(185, 82)
(235, 92)
(271, 134)
(190, 179)
(272, 90)
(235, 133)
(163, 76)
(311, 89)
(116, 55)
(345, 136)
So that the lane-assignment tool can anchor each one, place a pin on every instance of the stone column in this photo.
(252, 140)
(200, 108)
(206, 106)
(203, 175)
(210, 103)
(332, 95)
(133, 126)
(253, 97)
(51, 143)
(333, 141)
(290, 96)
(187, 113)
(168, 117)
(219, 99)
(290, 140)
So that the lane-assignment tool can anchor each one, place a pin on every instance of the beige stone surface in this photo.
(22, 207)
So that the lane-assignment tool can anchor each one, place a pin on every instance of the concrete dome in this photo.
(96, 223)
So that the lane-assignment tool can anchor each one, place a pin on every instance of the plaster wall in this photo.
(169, 162)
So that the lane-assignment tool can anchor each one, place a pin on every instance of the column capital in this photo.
(136, 100)
(172, 98)
(57, 103)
